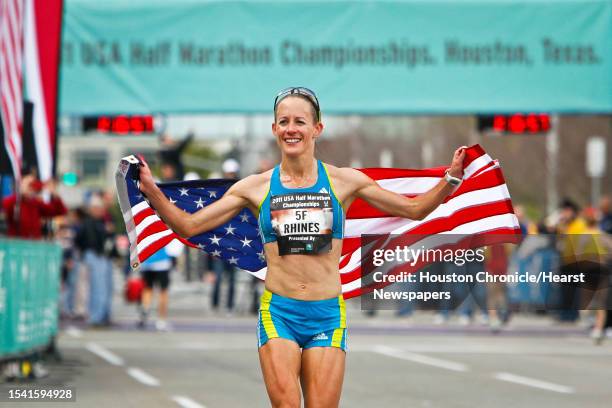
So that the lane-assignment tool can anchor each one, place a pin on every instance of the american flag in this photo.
(11, 64)
(480, 207)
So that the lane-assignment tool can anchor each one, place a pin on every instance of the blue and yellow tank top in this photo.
(301, 220)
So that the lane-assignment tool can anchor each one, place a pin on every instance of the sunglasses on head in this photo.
(299, 90)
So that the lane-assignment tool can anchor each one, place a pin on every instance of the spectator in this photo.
(592, 254)
(168, 172)
(70, 267)
(570, 228)
(474, 295)
(95, 241)
(194, 259)
(231, 169)
(536, 252)
(496, 263)
(170, 152)
(466, 298)
(525, 224)
(25, 214)
(156, 272)
(256, 285)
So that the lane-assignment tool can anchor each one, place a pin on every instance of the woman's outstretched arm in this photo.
(415, 208)
(185, 224)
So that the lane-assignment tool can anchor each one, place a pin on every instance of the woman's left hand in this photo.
(456, 167)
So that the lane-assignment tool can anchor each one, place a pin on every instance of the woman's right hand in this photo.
(147, 183)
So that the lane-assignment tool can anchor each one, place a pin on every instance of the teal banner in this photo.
(29, 295)
(368, 57)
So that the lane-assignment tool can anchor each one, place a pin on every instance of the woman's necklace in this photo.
(305, 181)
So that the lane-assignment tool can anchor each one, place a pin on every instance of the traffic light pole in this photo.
(595, 165)
(552, 168)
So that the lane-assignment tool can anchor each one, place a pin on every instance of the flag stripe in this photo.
(355, 242)
(473, 153)
(157, 226)
(475, 165)
(34, 94)
(152, 219)
(460, 224)
(379, 174)
(457, 221)
(146, 242)
(159, 244)
(42, 50)
(396, 225)
(494, 223)
(141, 206)
(413, 185)
(361, 209)
(141, 215)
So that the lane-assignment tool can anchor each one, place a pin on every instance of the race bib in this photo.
(303, 222)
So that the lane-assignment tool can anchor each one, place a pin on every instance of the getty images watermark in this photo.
(440, 272)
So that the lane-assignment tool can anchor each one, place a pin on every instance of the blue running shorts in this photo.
(309, 323)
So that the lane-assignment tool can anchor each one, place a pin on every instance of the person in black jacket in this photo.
(170, 152)
(95, 240)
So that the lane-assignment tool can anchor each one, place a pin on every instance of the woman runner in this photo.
(300, 205)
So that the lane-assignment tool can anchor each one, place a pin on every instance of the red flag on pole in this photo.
(42, 31)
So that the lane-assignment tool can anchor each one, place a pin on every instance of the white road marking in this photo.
(186, 402)
(74, 332)
(420, 358)
(105, 354)
(501, 349)
(143, 377)
(532, 382)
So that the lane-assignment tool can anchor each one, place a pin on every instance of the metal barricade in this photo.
(29, 295)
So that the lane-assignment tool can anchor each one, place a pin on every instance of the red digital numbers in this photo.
(104, 124)
(520, 123)
(124, 124)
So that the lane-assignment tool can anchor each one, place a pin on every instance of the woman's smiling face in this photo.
(295, 126)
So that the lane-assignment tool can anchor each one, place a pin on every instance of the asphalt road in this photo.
(211, 361)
